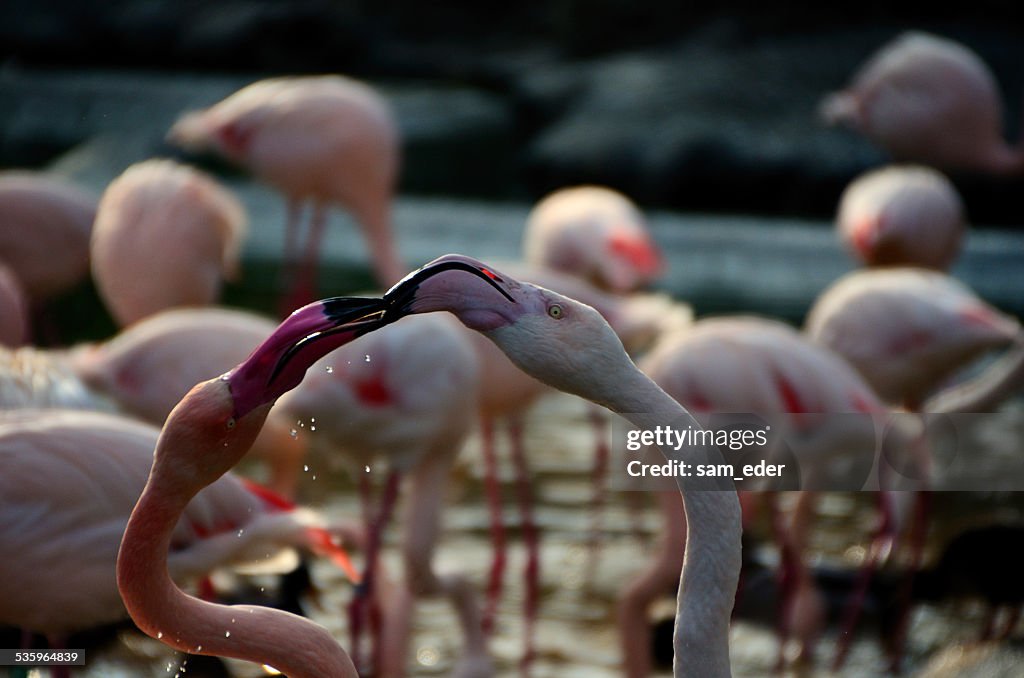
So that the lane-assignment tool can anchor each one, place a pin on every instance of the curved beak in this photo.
(280, 362)
(404, 298)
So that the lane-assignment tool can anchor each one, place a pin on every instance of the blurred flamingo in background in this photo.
(593, 233)
(45, 224)
(907, 331)
(752, 365)
(14, 310)
(325, 140)
(930, 100)
(401, 396)
(570, 347)
(166, 235)
(902, 215)
(207, 433)
(70, 481)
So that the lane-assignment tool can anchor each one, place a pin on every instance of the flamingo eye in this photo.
(230, 423)
(555, 311)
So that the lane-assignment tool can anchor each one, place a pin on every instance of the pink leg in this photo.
(58, 643)
(600, 476)
(880, 543)
(918, 537)
(362, 607)
(785, 576)
(305, 286)
(531, 538)
(493, 488)
(293, 225)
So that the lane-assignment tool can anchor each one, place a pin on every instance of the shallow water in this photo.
(575, 635)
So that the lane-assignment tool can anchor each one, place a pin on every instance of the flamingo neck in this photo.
(376, 221)
(986, 391)
(289, 643)
(711, 566)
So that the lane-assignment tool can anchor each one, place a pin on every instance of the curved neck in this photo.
(985, 392)
(375, 218)
(291, 644)
(707, 588)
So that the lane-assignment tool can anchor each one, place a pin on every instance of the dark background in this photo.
(691, 106)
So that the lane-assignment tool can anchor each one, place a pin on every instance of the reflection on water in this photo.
(575, 633)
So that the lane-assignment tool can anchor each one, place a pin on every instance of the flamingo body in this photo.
(906, 330)
(44, 232)
(930, 100)
(166, 235)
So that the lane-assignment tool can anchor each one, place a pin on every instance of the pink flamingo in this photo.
(322, 139)
(14, 311)
(405, 391)
(637, 319)
(166, 235)
(902, 215)
(208, 432)
(45, 224)
(569, 346)
(752, 365)
(593, 233)
(70, 481)
(907, 331)
(929, 100)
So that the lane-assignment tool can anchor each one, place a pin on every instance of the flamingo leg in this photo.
(305, 285)
(881, 544)
(917, 539)
(531, 538)
(292, 233)
(361, 610)
(602, 453)
(493, 488)
(58, 643)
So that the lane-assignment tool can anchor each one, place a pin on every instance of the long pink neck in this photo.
(711, 567)
(289, 643)
(376, 220)
(986, 391)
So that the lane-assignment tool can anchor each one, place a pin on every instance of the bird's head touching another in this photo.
(559, 341)
(226, 413)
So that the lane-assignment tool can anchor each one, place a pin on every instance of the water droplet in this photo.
(305, 467)
(241, 532)
(227, 634)
(263, 589)
(199, 648)
(312, 427)
(330, 370)
(367, 357)
(314, 476)
(367, 469)
(294, 433)
(232, 620)
(312, 420)
(159, 635)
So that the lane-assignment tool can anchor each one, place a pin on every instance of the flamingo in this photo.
(569, 346)
(328, 140)
(14, 311)
(907, 330)
(166, 235)
(45, 224)
(206, 434)
(902, 215)
(405, 391)
(69, 483)
(637, 319)
(594, 233)
(753, 365)
(930, 100)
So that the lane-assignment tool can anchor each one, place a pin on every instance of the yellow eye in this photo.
(555, 311)
(230, 423)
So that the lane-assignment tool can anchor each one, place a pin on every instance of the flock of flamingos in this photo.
(96, 527)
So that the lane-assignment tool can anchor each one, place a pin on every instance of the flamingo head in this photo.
(280, 362)
(553, 338)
